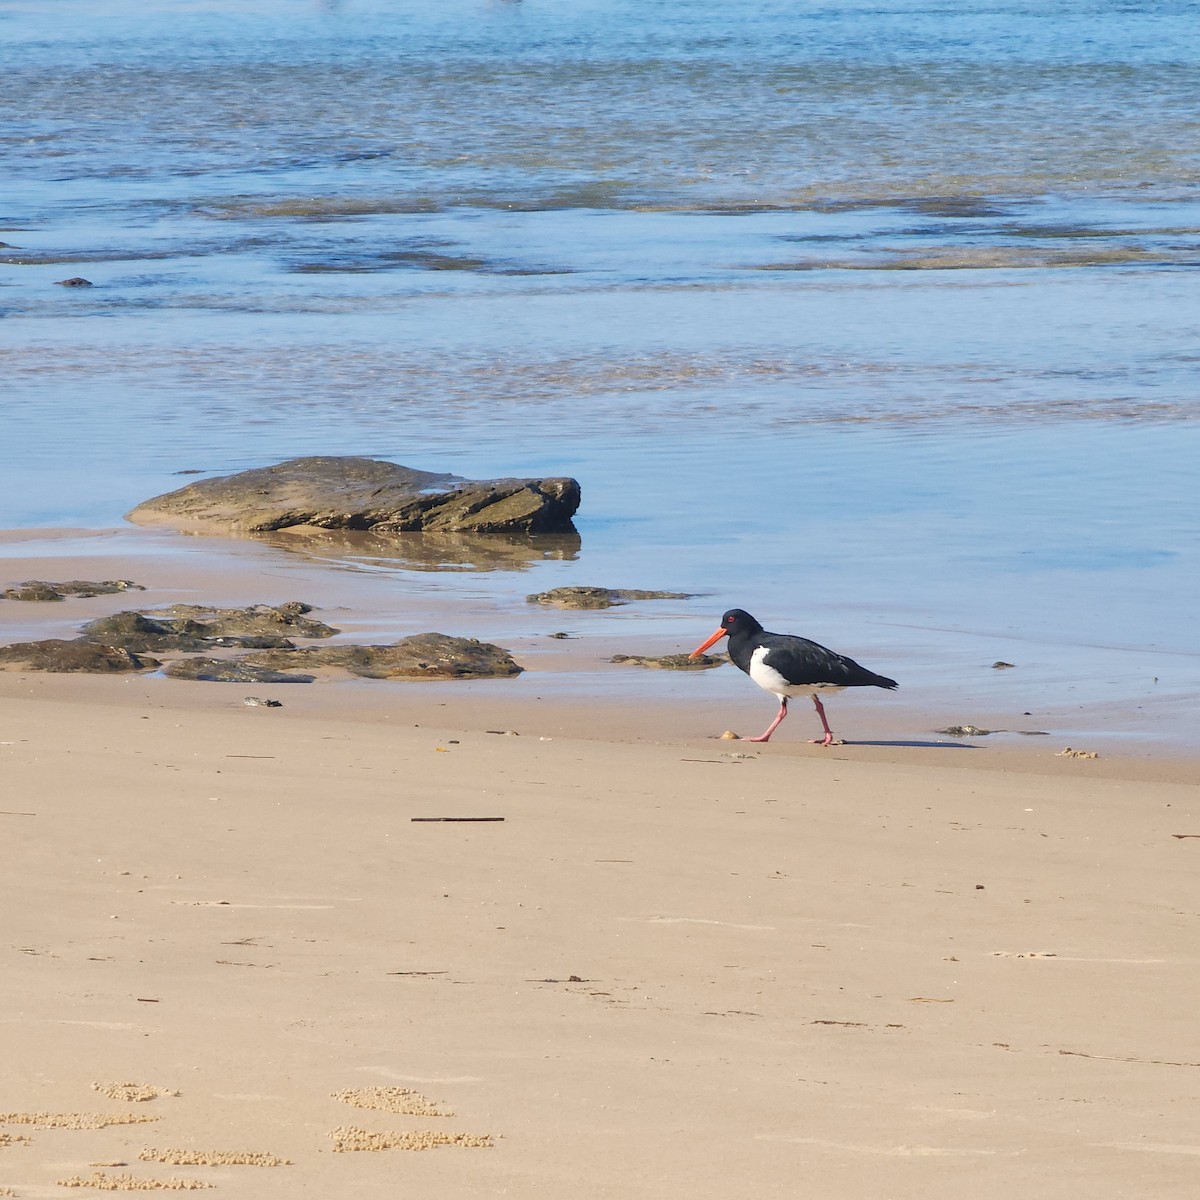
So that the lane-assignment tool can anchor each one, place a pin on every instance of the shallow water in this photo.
(875, 319)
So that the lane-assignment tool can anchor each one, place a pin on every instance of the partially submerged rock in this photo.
(257, 620)
(599, 597)
(78, 656)
(34, 589)
(120, 643)
(201, 627)
(135, 631)
(229, 670)
(38, 589)
(422, 656)
(361, 494)
(670, 662)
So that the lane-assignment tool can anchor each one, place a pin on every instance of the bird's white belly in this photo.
(770, 680)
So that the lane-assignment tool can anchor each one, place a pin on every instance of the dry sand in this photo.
(676, 967)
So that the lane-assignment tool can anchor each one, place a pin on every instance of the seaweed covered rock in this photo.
(422, 656)
(599, 597)
(77, 656)
(670, 662)
(257, 620)
(229, 670)
(201, 627)
(39, 589)
(362, 493)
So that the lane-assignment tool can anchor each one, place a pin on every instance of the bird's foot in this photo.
(762, 737)
(827, 740)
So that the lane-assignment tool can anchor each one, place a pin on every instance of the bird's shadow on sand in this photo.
(917, 745)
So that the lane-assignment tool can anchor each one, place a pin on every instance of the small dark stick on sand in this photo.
(456, 818)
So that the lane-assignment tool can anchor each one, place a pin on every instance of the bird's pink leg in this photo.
(828, 739)
(774, 725)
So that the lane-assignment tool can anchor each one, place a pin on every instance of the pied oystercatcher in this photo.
(790, 666)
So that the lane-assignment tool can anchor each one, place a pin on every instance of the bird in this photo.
(790, 666)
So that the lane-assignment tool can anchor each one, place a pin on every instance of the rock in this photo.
(74, 281)
(200, 627)
(229, 670)
(966, 731)
(361, 494)
(598, 597)
(257, 620)
(37, 589)
(670, 662)
(423, 656)
(33, 590)
(624, 595)
(134, 631)
(259, 702)
(252, 643)
(60, 655)
(1001, 665)
(575, 597)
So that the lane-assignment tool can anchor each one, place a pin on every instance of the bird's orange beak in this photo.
(716, 637)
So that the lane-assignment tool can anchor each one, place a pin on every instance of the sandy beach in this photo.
(482, 939)
(868, 319)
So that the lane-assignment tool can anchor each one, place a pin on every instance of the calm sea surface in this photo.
(879, 319)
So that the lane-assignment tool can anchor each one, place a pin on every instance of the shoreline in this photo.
(490, 707)
(569, 688)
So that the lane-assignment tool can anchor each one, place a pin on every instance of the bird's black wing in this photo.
(801, 661)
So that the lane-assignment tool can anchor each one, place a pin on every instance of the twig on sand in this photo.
(1157, 1062)
(456, 818)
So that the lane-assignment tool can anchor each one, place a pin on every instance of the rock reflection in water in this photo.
(430, 551)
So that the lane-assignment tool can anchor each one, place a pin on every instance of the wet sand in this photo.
(676, 966)
(666, 968)
(1108, 702)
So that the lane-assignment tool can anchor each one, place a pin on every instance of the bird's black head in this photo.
(737, 620)
(735, 623)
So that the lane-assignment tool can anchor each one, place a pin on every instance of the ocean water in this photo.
(878, 319)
